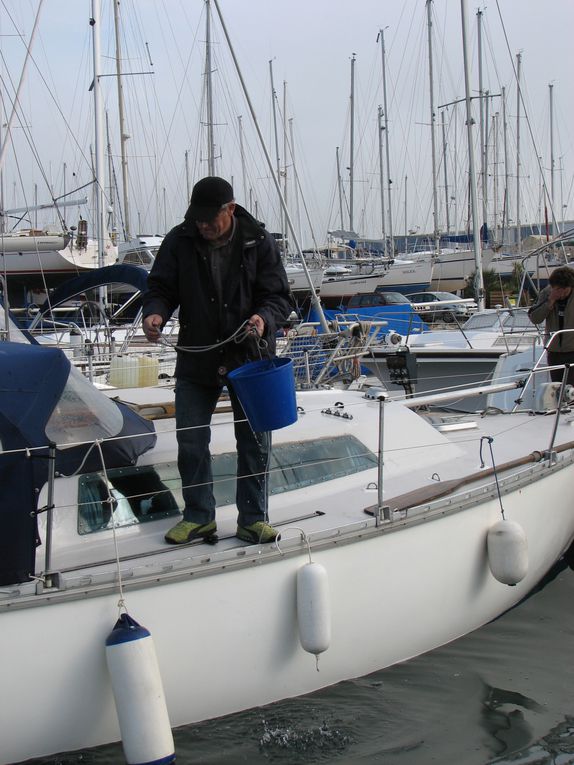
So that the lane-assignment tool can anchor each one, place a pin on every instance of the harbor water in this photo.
(503, 694)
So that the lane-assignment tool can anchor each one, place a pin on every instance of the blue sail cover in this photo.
(120, 273)
(32, 380)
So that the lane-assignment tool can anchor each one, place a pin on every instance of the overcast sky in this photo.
(310, 45)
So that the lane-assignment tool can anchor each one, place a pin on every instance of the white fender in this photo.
(138, 693)
(313, 608)
(507, 548)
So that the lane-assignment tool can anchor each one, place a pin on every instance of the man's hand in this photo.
(558, 293)
(258, 323)
(152, 327)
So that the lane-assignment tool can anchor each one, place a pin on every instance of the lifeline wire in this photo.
(110, 501)
(490, 441)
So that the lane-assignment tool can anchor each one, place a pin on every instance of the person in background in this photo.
(555, 306)
(224, 272)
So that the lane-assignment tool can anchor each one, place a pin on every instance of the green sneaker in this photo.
(186, 531)
(258, 533)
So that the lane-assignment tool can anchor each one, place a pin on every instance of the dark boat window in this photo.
(152, 492)
(138, 494)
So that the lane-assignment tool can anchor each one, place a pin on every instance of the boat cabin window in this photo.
(151, 492)
(305, 463)
(137, 494)
(483, 321)
(510, 321)
(517, 321)
(138, 258)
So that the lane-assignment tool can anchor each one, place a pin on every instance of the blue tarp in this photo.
(400, 318)
(32, 379)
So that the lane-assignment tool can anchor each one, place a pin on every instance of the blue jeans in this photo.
(194, 406)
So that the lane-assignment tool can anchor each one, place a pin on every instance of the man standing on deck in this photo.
(224, 271)
(555, 305)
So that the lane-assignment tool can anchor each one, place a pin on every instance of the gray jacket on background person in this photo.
(541, 311)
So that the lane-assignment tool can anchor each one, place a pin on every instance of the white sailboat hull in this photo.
(229, 642)
(408, 275)
(297, 278)
(224, 617)
(37, 256)
(452, 269)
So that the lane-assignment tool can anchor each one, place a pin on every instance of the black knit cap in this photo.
(208, 197)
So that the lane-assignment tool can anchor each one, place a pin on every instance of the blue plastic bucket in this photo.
(266, 390)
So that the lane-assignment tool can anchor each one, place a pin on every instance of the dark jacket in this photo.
(541, 311)
(256, 283)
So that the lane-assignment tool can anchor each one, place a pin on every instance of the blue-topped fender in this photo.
(126, 629)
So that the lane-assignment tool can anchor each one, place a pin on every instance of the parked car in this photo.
(392, 307)
(442, 306)
(369, 299)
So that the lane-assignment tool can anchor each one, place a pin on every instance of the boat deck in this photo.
(428, 461)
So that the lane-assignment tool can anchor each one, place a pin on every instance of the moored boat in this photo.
(343, 280)
(469, 354)
(404, 542)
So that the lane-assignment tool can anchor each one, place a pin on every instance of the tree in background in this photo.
(491, 283)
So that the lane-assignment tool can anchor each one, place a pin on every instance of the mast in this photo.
(483, 173)
(381, 176)
(495, 173)
(479, 282)
(340, 189)
(285, 143)
(445, 171)
(455, 171)
(506, 165)
(561, 196)
(64, 170)
(552, 163)
(164, 210)
(123, 133)
(486, 121)
(276, 136)
(352, 147)
(296, 180)
(432, 125)
(187, 184)
(518, 232)
(111, 179)
(387, 153)
(406, 226)
(242, 153)
(209, 91)
(99, 136)
(2, 198)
